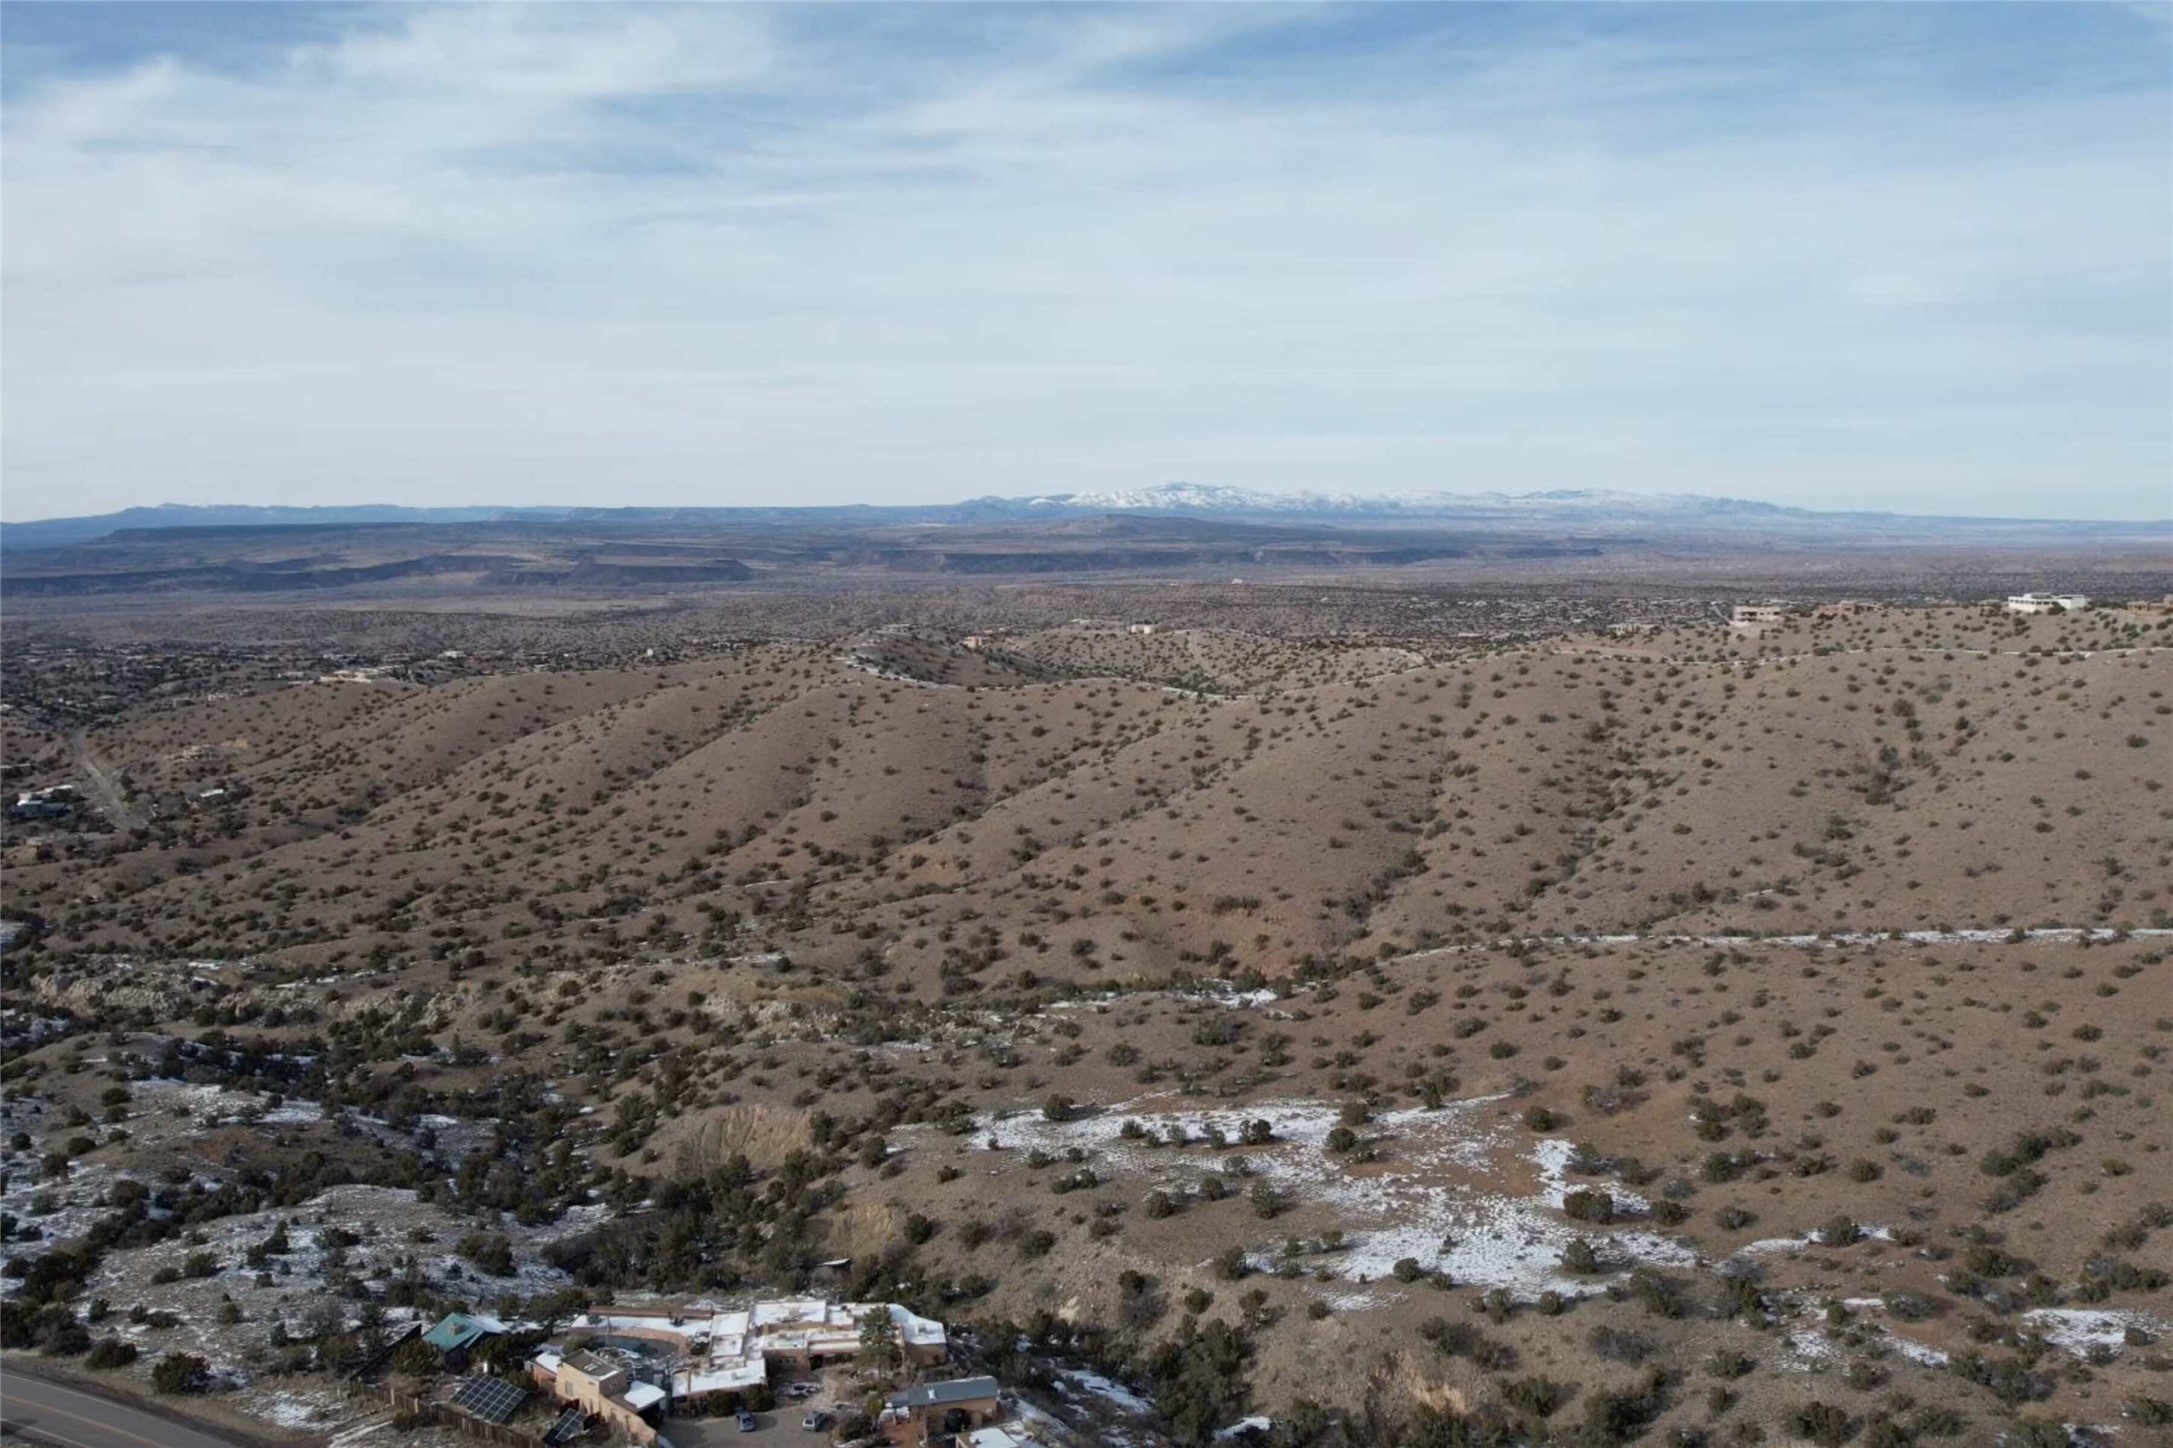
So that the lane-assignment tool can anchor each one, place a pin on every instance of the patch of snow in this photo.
(1109, 1391)
(1427, 1198)
(1917, 1352)
(2078, 1329)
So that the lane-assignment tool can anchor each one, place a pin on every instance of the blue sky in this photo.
(1913, 257)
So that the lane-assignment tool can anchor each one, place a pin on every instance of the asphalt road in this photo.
(44, 1411)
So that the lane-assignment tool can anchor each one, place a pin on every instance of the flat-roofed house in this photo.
(602, 1389)
(929, 1412)
(2047, 603)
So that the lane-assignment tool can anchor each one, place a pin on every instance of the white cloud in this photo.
(729, 255)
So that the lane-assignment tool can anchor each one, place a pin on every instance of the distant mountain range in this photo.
(1578, 508)
(1242, 502)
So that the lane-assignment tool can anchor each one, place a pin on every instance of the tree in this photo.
(417, 1359)
(880, 1350)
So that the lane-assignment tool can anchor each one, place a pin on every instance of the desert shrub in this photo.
(490, 1252)
(1534, 1398)
(1451, 1339)
(1589, 1206)
(2151, 1412)
(2008, 1379)
(110, 1352)
(1660, 1296)
(1618, 1345)
(1728, 1363)
(180, 1372)
(2025, 1149)
(1823, 1424)
(1622, 1415)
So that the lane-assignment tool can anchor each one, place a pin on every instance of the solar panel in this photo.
(568, 1427)
(494, 1400)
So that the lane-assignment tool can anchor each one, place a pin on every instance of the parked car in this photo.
(802, 1390)
(747, 1422)
(815, 1421)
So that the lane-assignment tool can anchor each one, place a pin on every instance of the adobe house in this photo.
(602, 1389)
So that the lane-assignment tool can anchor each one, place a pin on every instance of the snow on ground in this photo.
(1915, 1351)
(2078, 1329)
(1813, 1347)
(1094, 1399)
(1214, 995)
(1113, 1393)
(304, 1405)
(214, 1105)
(1441, 1192)
(59, 1209)
(1766, 1246)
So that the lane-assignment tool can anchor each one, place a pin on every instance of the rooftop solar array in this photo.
(568, 1427)
(494, 1400)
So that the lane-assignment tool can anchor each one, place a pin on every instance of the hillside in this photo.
(1712, 1025)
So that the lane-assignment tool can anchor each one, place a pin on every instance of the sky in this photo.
(1907, 257)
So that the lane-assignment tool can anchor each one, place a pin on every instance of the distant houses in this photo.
(1756, 615)
(57, 802)
(2047, 603)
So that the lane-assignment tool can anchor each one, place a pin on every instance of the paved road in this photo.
(44, 1411)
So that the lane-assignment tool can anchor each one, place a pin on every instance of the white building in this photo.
(730, 1352)
(2047, 603)
(1752, 615)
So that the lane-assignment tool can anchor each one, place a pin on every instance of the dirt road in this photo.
(103, 787)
